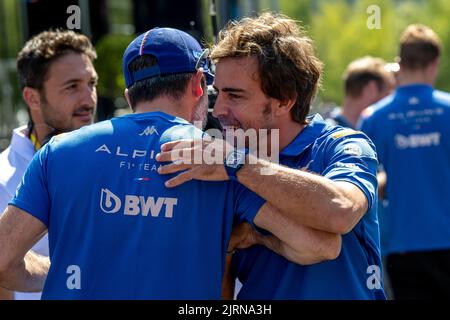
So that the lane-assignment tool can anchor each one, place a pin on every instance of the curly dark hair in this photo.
(36, 57)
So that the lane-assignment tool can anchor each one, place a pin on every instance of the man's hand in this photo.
(198, 159)
(243, 236)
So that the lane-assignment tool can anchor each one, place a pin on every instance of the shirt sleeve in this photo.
(4, 199)
(246, 203)
(32, 194)
(353, 159)
(367, 124)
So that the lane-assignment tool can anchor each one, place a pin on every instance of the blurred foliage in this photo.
(299, 9)
(339, 29)
(110, 50)
(10, 28)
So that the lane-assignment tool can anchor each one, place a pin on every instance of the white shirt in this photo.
(13, 163)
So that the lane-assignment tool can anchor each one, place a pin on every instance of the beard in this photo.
(201, 111)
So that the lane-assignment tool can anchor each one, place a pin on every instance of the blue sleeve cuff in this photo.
(43, 217)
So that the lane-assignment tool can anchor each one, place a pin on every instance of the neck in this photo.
(166, 105)
(407, 77)
(351, 110)
(288, 132)
(40, 129)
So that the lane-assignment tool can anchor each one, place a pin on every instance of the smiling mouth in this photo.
(84, 115)
(231, 128)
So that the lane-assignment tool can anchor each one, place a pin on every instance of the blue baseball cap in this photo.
(175, 50)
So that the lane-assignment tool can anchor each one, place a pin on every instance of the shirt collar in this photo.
(21, 144)
(415, 89)
(160, 114)
(306, 137)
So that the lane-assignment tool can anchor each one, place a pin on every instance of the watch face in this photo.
(235, 158)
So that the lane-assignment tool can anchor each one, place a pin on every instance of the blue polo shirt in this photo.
(339, 154)
(336, 118)
(411, 131)
(115, 231)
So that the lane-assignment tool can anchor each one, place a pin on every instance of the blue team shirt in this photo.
(411, 131)
(339, 154)
(337, 119)
(110, 217)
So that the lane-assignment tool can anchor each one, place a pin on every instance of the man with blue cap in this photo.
(267, 74)
(115, 230)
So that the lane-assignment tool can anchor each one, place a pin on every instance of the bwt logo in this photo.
(137, 205)
(414, 141)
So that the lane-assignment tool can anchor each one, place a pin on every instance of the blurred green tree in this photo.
(341, 33)
(110, 50)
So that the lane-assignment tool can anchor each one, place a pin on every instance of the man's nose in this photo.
(219, 107)
(89, 96)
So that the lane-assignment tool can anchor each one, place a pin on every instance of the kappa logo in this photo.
(150, 130)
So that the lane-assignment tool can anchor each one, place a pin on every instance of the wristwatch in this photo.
(234, 162)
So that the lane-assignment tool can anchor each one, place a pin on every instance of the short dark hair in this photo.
(362, 71)
(36, 57)
(287, 62)
(419, 46)
(172, 85)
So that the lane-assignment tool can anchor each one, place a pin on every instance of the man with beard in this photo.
(266, 77)
(115, 230)
(58, 83)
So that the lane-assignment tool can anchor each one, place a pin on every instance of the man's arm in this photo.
(309, 246)
(6, 294)
(21, 269)
(294, 241)
(4, 198)
(306, 198)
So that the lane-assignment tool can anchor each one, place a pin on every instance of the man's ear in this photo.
(196, 83)
(32, 98)
(284, 106)
(127, 97)
(434, 67)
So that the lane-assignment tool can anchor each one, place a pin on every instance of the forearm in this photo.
(306, 198)
(6, 294)
(284, 250)
(295, 242)
(26, 276)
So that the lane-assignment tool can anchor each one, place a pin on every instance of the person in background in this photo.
(366, 81)
(411, 131)
(58, 83)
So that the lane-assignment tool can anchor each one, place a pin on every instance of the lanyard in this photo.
(35, 142)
